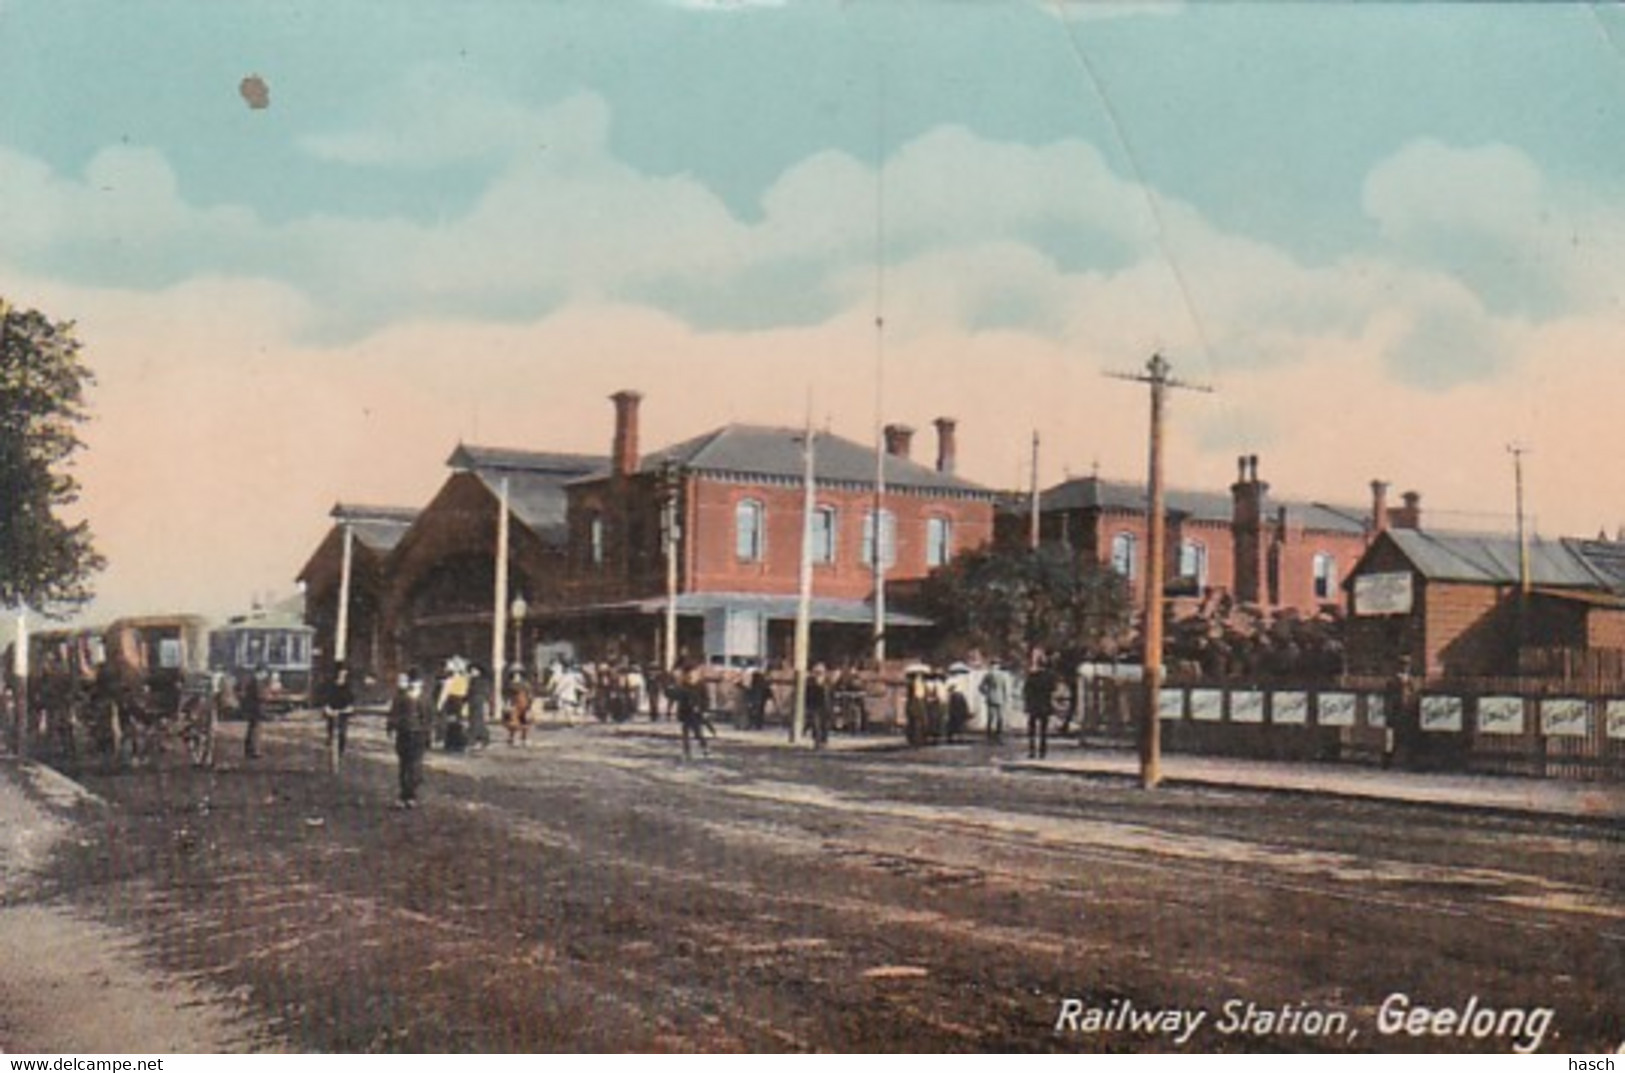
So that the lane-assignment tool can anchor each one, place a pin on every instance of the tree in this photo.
(1006, 603)
(46, 561)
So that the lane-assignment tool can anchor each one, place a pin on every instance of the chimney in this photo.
(1379, 506)
(624, 454)
(899, 438)
(1247, 525)
(947, 449)
(1410, 515)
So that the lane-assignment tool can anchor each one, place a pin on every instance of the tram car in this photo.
(277, 649)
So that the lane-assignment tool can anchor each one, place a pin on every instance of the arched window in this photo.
(1125, 555)
(1325, 576)
(939, 541)
(823, 535)
(1193, 562)
(888, 538)
(748, 531)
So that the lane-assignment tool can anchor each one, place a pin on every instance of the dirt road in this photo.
(594, 891)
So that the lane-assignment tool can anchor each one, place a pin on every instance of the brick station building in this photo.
(588, 549)
(739, 495)
(1277, 554)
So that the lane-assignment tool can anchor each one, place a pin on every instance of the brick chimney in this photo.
(947, 448)
(624, 454)
(899, 440)
(1379, 506)
(1410, 515)
(1247, 524)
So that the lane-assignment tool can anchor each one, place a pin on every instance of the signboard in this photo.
(1441, 714)
(1334, 710)
(1383, 594)
(1171, 704)
(1500, 715)
(1207, 705)
(1616, 719)
(1246, 706)
(1564, 717)
(1289, 709)
(1376, 710)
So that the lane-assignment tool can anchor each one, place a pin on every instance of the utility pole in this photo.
(804, 600)
(1032, 496)
(1517, 451)
(670, 486)
(19, 670)
(341, 631)
(499, 598)
(1155, 375)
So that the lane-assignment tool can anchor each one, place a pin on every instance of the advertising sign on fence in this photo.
(1441, 714)
(1616, 719)
(1171, 704)
(1246, 706)
(1335, 710)
(1500, 715)
(1207, 705)
(1564, 717)
(1289, 709)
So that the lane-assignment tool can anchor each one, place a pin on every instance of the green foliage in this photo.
(1006, 603)
(45, 561)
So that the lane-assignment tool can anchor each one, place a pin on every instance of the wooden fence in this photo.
(1572, 730)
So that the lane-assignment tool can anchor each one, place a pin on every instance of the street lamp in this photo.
(517, 611)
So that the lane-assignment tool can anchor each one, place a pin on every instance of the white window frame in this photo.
(825, 535)
(939, 541)
(1193, 561)
(1126, 554)
(888, 538)
(1324, 576)
(750, 543)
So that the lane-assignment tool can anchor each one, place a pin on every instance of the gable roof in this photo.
(1493, 559)
(1096, 493)
(536, 482)
(378, 529)
(764, 451)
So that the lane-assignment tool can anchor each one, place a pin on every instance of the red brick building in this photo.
(1277, 554)
(739, 497)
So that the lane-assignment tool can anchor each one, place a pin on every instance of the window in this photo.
(1125, 554)
(748, 531)
(823, 535)
(595, 540)
(1325, 576)
(888, 538)
(939, 541)
(1193, 562)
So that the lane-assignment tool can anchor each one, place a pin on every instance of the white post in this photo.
(499, 610)
(809, 504)
(341, 636)
(19, 667)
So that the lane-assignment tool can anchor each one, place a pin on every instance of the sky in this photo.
(1391, 237)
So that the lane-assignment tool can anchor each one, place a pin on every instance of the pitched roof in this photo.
(378, 528)
(1095, 493)
(763, 451)
(536, 481)
(1493, 559)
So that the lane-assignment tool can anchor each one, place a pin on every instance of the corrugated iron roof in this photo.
(378, 528)
(536, 483)
(1494, 559)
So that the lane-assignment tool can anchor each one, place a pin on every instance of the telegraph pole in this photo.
(1517, 451)
(1032, 496)
(341, 630)
(1155, 375)
(803, 642)
(670, 487)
